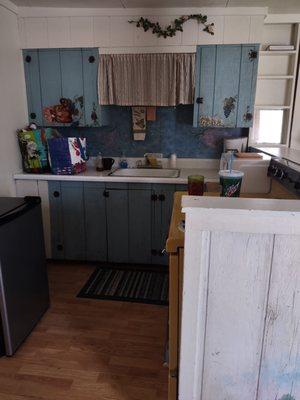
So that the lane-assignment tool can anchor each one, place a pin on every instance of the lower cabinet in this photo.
(114, 222)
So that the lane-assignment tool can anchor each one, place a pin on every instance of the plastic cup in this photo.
(196, 185)
(231, 182)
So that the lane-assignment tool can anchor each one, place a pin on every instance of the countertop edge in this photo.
(94, 177)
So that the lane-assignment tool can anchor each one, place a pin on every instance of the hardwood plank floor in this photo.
(86, 349)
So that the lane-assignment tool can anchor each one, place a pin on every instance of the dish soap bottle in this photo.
(99, 164)
(123, 162)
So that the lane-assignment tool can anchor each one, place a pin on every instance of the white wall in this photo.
(13, 113)
(110, 30)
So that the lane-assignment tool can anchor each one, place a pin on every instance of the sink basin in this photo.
(146, 172)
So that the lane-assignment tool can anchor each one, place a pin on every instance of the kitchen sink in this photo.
(146, 172)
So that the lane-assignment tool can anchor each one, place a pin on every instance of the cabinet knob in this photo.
(253, 55)
(28, 59)
(154, 252)
(154, 197)
(161, 197)
(199, 100)
(106, 193)
(33, 115)
(91, 59)
(56, 193)
(59, 247)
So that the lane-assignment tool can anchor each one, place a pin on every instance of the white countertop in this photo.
(281, 152)
(91, 175)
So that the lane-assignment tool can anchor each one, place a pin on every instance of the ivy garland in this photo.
(175, 26)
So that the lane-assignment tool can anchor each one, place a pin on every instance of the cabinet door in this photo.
(117, 225)
(95, 221)
(161, 217)
(56, 74)
(73, 220)
(33, 86)
(56, 220)
(225, 86)
(90, 85)
(140, 226)
(248, 80)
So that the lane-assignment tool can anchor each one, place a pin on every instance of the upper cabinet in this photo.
(62, 86)
(225, 85)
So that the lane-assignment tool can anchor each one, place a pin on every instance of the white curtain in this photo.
(146, 79)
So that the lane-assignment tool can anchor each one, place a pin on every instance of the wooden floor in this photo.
(89, 349)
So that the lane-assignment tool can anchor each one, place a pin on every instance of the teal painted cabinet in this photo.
(61, 86)
(225, 86)
(114, 222)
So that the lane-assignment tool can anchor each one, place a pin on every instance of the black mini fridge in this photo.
(24, 292)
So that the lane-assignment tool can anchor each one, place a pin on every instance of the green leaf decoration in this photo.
(174, 27)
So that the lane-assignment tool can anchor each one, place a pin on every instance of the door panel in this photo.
(140, 226)
(95, 221)
(50, 77)
(56, 220)
(90, 85)
(205, 82)
(73, 220)
(72, 81)
(248, 79)
(33, 86)
(117, 225)
(226, 90)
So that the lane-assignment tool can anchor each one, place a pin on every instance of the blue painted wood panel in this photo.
(95, 221)
(50, 77)
(248, 80)
(140, 226)
(72, 81)
(205, 82)
(90, 60)
(33, 86)
(56, 220)
(227, 80)
(117, 226)
(73, 220)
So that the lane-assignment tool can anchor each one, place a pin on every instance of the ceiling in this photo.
(275, 6)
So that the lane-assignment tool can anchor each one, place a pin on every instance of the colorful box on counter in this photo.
(34, 149)
(67, 156)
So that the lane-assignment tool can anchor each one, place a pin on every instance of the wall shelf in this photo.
(268, 107)
(275, 77)
(277, 53)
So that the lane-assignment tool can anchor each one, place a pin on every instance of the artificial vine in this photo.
(175, 26)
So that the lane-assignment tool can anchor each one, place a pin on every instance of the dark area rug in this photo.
(141, 285)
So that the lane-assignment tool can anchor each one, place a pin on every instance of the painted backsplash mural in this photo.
(172, 132)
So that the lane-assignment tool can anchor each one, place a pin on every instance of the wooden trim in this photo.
(173, 326)
(211, 11)
(9, 6)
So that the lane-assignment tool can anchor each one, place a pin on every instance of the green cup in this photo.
(231, 182)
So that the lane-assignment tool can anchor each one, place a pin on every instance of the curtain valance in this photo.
(146, 79)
